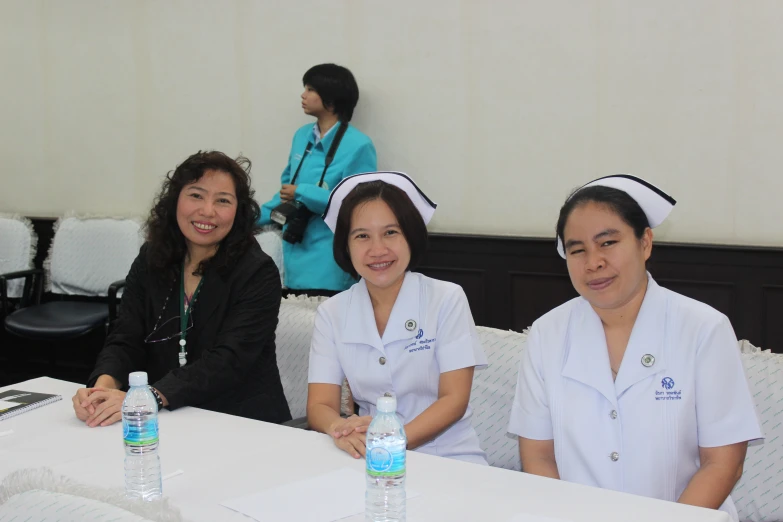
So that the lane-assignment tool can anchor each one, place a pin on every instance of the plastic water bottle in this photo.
(140, 433)
(386, 443)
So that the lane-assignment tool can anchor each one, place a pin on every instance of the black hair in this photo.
(336, 86)
(618, 201)
(408, 217)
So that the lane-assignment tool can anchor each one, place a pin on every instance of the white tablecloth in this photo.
(224, 457)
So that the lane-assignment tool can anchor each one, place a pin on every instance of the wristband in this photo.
(158, 398)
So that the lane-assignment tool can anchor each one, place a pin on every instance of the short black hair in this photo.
(619, 201)
(408, 217)
(336, 86)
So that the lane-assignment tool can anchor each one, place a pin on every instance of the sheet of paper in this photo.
(5, 405)
(523, 517)
(331, 496)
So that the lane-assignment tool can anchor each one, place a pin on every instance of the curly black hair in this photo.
(166, 247)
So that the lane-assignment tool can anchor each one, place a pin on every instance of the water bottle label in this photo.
(143, 435)
(384, 463)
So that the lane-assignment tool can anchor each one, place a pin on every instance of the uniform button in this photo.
(382, 360)
(613, 414)
(387, 394)
(614, 456)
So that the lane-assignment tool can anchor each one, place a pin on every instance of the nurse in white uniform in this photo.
(631, 387)
(395, 332)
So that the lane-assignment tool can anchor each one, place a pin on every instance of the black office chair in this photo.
(57, 320)
(86, 255)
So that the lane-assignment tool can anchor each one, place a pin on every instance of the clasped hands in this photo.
(98, 406)
(349, 434)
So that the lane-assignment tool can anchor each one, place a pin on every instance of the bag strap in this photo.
(329, 155)
(304, 155)
(333, 149)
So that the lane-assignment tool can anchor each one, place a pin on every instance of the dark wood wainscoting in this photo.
(511, 281)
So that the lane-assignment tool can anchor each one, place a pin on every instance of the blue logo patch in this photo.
(423, 344)
(667, 383)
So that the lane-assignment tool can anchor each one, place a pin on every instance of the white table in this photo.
(223, 457)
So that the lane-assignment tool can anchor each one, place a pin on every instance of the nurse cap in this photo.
(423, 204)
(655, 203)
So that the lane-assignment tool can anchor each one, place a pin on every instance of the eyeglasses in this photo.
(168, 330)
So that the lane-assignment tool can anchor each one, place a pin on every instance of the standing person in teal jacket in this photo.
(330, 95)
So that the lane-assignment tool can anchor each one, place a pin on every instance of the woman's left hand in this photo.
(107, 404)
(288, 192)
(354, 423)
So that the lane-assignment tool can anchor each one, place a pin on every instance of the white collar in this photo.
(360, 326)
(587, 358)
(317, 132)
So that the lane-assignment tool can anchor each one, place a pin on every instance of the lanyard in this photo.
(184, 315)
(329, 155)
(304, 155)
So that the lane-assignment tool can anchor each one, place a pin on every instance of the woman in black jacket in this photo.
(200, 305)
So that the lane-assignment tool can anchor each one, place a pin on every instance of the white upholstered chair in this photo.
(759, 493)
(87, 256)
(17, 249)
(493, 393)
(271, 241)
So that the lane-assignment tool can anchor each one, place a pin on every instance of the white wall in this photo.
(497, 108)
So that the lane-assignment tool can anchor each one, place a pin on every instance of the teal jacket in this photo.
(310, 264)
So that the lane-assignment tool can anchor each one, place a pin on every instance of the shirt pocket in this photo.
(366, 376)
(416, 369)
